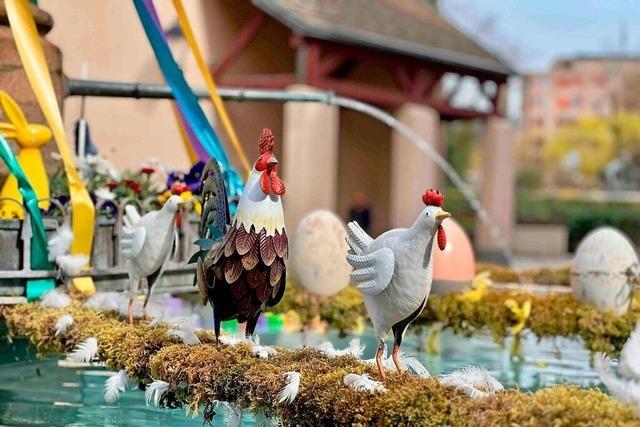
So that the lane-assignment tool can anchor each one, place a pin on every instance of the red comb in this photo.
(266, 141)
(433, 197)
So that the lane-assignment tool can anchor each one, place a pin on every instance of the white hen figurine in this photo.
(625, 385)
(146, 244)
(394, 272)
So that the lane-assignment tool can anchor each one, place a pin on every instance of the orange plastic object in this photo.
(456, 263)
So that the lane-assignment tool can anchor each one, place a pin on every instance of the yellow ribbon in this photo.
(479, 288)
(29, 47)
(211, 85)
(521, 313)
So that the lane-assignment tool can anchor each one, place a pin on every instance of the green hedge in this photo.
(580, 216)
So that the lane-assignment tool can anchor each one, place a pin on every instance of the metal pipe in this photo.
(77, 87)
(139, 90)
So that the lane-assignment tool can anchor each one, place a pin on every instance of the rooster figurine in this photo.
(241, 268)
(394, 271)
(147, 242)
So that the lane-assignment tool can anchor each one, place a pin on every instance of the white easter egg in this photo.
(599, 275)
(317, 254)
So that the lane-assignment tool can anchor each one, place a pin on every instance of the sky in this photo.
(532, 33)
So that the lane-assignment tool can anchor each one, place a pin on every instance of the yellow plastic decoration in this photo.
(433, 342)
(521, 313)
(479, 288)
(211, 85)
(30, 137)
(29, 47)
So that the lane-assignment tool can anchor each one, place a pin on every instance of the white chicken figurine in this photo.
(394, 272)
(625, 384)
(147, 243)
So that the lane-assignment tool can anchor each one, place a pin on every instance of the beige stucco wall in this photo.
(364, 166)
(109, 38)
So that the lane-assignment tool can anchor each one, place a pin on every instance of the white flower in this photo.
(104, 193)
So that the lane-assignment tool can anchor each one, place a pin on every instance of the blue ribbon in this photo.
(185, 98)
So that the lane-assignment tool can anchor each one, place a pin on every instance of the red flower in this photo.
(147, 170)
(133, 184)
(112, 185)
(179, 188)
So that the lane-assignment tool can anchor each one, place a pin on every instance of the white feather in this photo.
(290, 390)
(72, 265)
(233, 414)
(354, 349)
(155, 391)
(412, 364)
(107, 301)
(86, 351)
(114, 385)
(55, 299)
(364, 383)
(474, 381)
(60, 242)
(263, 351)
(407, 362)
(63, 323)
(629, 366)
(231, 339)
(626, 390)
(186, 333)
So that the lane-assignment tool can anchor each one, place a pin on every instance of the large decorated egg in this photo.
(600, 272)
(317, 254)
(453, 267)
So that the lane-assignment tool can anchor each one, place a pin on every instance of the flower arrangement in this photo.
(104, 182)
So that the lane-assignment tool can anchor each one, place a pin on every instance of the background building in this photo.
(578, 87)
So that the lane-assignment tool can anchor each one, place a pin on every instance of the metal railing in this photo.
(107, 267)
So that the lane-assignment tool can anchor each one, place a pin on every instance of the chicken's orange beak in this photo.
(442, 215)
(272, 161)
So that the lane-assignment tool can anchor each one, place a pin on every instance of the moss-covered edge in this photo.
(551, 315)
(200, 375)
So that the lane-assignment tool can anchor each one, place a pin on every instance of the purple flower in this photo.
(191, 178)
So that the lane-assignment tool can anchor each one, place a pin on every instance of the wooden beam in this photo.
(330, 63)
(313, 64)
(425, 82)
(405, 81)
(242, 40)
(393, 98)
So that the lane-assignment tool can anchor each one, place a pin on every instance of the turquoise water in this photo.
(41, 392)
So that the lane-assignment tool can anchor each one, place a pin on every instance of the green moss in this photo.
(200, 375)
(551, 315)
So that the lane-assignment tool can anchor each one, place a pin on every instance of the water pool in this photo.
(39, 391)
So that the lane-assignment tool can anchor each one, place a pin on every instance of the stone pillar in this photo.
(14, 80)
(310, 157)
(498, 183)
(412, 171)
